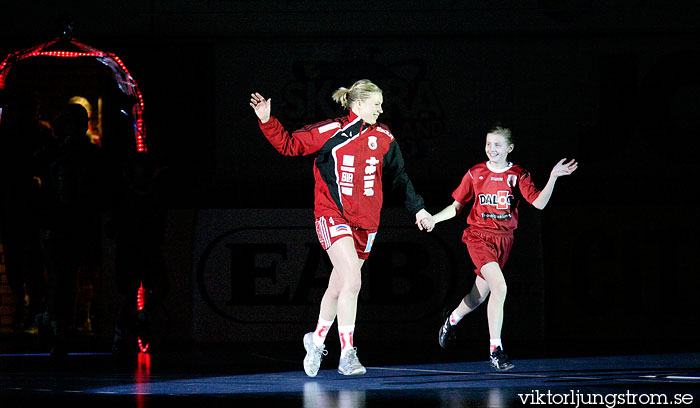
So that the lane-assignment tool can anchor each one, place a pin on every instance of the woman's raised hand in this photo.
(261, 106)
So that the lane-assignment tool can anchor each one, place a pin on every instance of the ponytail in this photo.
(341, 97)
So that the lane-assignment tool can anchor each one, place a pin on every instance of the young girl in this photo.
(496, 186)
(352, 154)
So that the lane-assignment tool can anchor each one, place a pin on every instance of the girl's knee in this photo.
(473, 300)
(499, 290)
(494, 277)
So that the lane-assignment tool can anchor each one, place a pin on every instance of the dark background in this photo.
(614, 85)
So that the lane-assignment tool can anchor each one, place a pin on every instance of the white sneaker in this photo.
(314, 355)
(349, 363)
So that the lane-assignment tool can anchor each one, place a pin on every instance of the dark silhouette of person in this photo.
(21, 134)
(73, 198)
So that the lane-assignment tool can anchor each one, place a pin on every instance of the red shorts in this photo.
(487, 246)
(331, 229)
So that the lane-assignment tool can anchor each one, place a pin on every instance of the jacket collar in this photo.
(352, 116)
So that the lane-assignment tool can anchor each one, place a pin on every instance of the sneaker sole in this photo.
(448, 340)
(440, 342)
(307, 370)
(502, 369)
(356, 372)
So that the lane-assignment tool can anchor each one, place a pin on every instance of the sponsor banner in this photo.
(260, 275)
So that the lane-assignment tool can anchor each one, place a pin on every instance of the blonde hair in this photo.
(360, 90)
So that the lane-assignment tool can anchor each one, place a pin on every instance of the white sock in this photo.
(496, 343)
(346, 334)
(455, 318)
(321, 331)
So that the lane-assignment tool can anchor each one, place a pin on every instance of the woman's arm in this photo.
(301, 142)
(395, 174)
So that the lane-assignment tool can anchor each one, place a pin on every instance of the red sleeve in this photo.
(307, 140)
(527, 187)
(465, 191)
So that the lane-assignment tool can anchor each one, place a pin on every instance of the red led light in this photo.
(140, 303)
(143, 347)
(140, 297)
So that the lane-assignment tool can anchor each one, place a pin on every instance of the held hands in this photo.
(261, 106)
(425, 221)
(564, 169)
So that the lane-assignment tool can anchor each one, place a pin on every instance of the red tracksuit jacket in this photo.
(353, 156)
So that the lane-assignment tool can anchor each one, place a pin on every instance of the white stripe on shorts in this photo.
(322, 226)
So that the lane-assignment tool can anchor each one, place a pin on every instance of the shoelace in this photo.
(352, 357)
(318, 352)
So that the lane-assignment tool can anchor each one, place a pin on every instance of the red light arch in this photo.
(126, 83)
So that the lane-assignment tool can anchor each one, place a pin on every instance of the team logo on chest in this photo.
(372, 142)
(501, 200)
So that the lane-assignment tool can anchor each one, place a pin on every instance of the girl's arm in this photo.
(448, 212)
(560, 169)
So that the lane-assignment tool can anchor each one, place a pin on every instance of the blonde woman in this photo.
(353, 154)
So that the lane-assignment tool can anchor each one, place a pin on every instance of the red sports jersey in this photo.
(352, 157)
(496, 194)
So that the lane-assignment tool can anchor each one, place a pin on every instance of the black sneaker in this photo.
(448, 332)
(500, 360)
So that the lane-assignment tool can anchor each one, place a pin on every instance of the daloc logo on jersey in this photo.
(501, 200)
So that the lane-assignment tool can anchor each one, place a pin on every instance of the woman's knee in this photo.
(348, 282)
(352, 283)
(333, 291)
(346, 266)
